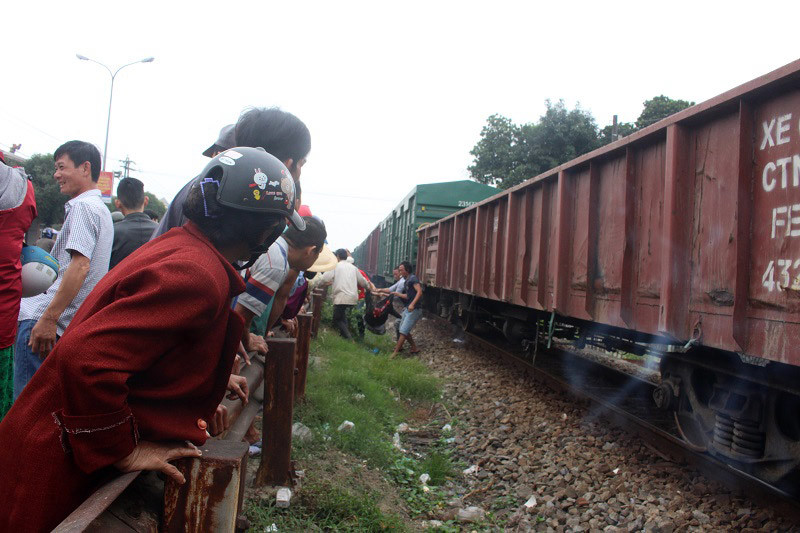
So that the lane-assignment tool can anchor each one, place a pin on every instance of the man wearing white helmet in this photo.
(17, 211)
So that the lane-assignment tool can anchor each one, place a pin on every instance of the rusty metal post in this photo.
(210, 498)
(276, 438)
(316, 309)
(304, 321)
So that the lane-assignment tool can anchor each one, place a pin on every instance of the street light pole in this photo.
(111, 95)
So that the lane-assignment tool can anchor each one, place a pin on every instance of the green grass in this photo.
(438, 465)
(391, 389)
(349, 369)
(324, 507)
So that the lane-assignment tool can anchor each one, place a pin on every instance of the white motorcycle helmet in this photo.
(39, 271)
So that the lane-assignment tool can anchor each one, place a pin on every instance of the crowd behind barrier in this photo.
(93, 351)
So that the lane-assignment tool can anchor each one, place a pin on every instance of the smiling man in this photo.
(82, 249)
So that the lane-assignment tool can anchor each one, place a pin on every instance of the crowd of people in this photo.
(122, 363)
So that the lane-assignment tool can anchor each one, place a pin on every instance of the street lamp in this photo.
(111, 96)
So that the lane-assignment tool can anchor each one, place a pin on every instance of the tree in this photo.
(49, 200)
(155, 205)
(658, 108)
(508, 154)
(623, 130)
(494, 154)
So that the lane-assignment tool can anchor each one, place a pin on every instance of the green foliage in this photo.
(351, 370)
(495, 154)
(439, 465)
(507, 154)
(623, 130)
(658, 108)
(324, 506)
(155, 205)
(49, 200)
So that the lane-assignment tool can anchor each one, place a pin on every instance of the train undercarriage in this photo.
(743, 410)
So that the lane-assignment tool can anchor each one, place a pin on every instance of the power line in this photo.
(17, 119)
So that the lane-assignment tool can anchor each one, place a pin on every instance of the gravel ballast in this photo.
(544, 463)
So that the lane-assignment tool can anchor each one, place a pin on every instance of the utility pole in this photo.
(127, 164)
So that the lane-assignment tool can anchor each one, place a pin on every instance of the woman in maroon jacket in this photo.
(147, 358)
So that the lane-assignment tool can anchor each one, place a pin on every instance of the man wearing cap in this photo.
(280, 133)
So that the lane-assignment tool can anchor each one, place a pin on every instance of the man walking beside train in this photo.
(346, 280)
(412, 292)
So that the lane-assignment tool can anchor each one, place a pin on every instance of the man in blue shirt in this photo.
(412, 292)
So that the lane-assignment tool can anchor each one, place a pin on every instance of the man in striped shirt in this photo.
(82, 249)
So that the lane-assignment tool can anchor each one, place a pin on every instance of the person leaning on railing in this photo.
(146, 360)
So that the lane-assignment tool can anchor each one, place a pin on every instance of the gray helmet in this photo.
(253, 180)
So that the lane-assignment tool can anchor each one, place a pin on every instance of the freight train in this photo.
(395, 238)
(682, 241)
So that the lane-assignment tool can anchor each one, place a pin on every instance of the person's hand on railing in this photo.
(290, 326)
(219, 422)
(237, 385)
(156, 456)
(256, 343)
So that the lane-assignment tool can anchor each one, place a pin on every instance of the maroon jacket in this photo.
(148, 353)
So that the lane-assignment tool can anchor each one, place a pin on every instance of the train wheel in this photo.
(691, 432)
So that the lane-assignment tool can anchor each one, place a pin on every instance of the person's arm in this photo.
(362, 281)
(250, 341)
(43, 334)
(159, 310)
(418, 288)
(325, 279)
(84, 231)
(281, 297)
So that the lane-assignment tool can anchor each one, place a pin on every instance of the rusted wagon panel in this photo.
(689, 229)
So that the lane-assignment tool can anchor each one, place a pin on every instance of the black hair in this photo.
(341, 254)
(278, 132)
(314, 234)
(130, 192)
(407, 266)
(226, 226)
(79, 153)
(152, 214)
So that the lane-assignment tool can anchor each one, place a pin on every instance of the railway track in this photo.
(626, 401)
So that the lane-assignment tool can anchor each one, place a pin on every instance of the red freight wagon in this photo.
(686, 233)
(366, 253)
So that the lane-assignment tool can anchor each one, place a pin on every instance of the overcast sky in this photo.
(394, 93)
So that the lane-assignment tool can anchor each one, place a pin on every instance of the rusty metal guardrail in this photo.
(212, 497)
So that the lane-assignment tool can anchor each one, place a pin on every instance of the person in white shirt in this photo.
(83, 251)
(346, 279)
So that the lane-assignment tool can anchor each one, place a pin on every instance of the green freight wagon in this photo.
(396, 235)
